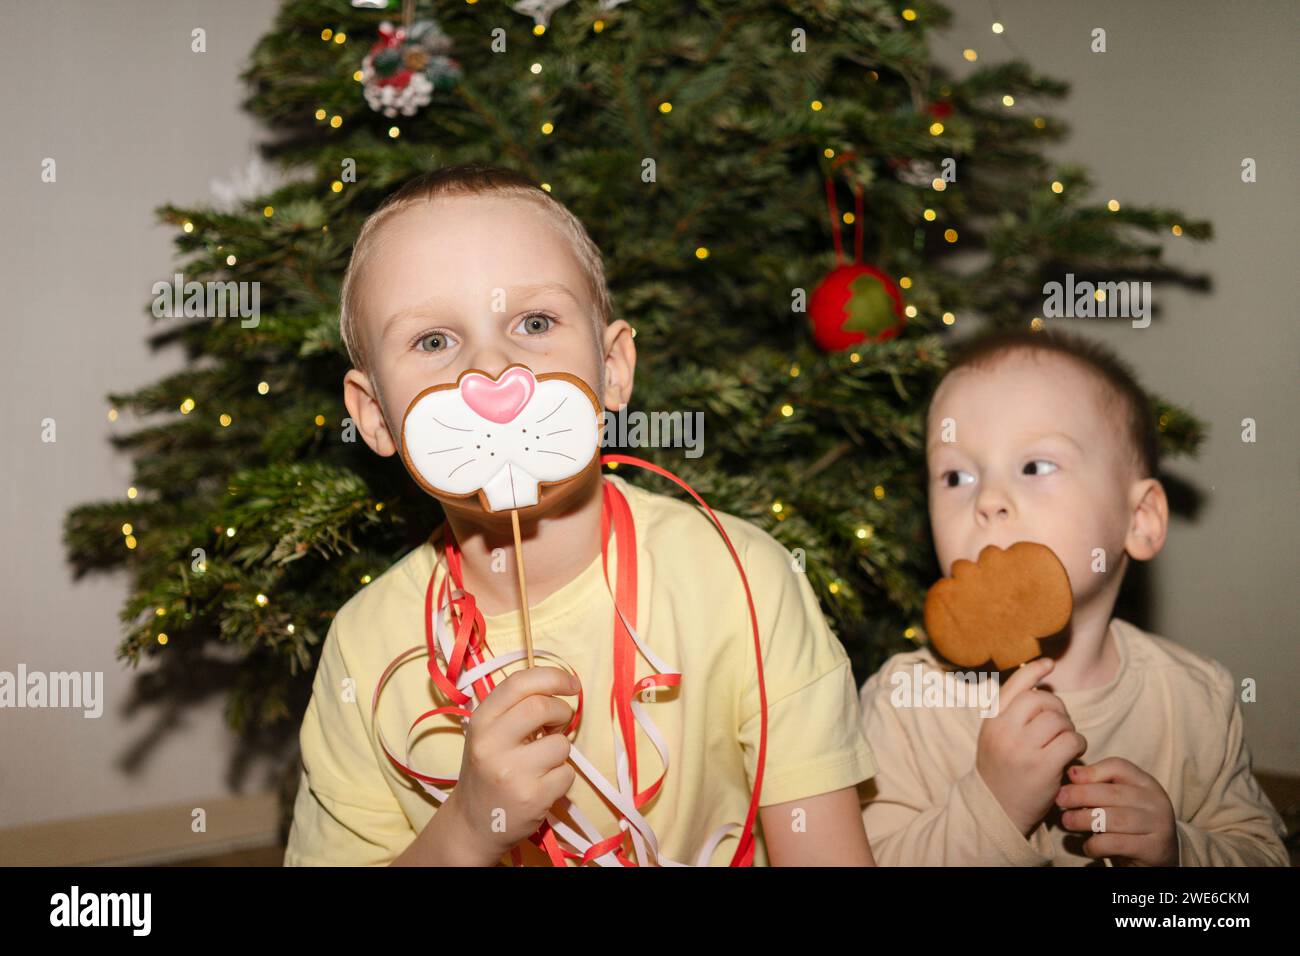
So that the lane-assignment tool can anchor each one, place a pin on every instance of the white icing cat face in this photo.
(501, 438)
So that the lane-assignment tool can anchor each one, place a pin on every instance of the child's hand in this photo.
(1022, 752)
(508, 779)
(1139, 823)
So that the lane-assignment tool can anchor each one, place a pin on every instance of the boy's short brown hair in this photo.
(467, 179)
(1119, 384)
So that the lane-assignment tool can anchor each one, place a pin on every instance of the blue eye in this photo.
(947, 477)
(536, 323)
(1039, 461)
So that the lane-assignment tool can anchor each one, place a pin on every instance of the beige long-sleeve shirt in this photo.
(1168, 710)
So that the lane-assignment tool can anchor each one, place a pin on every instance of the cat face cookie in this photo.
(502, 438)
(999, 606)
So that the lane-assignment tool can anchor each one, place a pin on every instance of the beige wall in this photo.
(134, 119)
(112, 92)
(1186, 90)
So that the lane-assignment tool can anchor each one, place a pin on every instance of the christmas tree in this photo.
(721, 155)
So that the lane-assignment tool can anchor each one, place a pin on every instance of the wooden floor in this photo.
(1284, 792)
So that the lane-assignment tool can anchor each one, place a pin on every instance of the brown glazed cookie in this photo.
(999, 606)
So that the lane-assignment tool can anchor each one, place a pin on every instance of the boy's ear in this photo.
(1150, 521)
(620, 364)
(364, 405)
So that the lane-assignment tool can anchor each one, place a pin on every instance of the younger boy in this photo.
(477, 267)
(1046, 437)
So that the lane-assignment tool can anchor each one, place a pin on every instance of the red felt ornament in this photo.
(856, 302)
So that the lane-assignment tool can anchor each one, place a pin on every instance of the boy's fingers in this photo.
(541, 756)
(1030, 703)
(1097, 795)
(535, 712)
(1023, 679)
(1109, 770)
(521, 684)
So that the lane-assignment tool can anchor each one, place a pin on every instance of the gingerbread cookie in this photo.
(999, 606)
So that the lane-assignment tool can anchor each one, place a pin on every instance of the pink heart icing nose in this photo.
(501, 400)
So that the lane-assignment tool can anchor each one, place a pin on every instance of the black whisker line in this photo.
(552, 411)
(460, 466)
(543, 451)
(441, 450)
(560, 432)
(452, 427)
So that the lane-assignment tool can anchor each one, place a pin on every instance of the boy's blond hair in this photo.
(467, 179)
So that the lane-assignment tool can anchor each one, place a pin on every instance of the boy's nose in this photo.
(992, 505)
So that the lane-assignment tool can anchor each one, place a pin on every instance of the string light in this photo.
(263, 388)
(548, 128)
(970, 54)
(112, 412)
(126, 528)
(949, 318)
(701, 252)
(878, 491)
(787, 410)
(261, 600)
(131, 492)
(905, 282)
(162, 638)
(816, 105)
(1058, 186)
(394, 132)
(1113, 205)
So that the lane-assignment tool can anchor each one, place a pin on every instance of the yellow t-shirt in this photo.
(355, 808)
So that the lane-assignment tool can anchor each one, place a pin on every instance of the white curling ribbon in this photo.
(622, 797)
